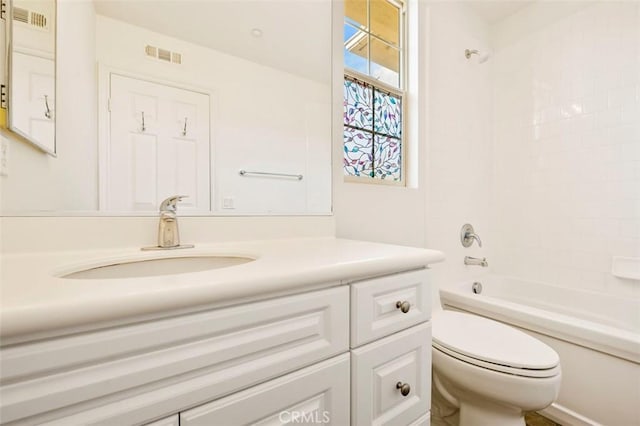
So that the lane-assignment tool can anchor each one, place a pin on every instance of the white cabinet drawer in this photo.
(378, 368)
(314, 395)
(129, 374)
(376, 305)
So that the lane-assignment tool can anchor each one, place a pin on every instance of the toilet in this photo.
(491, 372)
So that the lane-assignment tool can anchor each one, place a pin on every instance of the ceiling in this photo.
(495, 11)
(296, 35)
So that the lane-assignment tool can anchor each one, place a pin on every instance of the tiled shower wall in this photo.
(566, 113)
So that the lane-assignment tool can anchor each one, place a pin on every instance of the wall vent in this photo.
(151, 51)
(21, 15)
(31, 18)
(163, 54)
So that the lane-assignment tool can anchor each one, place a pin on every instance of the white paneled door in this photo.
(158, 146)
(33, 115)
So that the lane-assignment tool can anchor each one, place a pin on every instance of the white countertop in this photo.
(34, 300)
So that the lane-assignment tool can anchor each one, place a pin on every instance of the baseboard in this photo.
(567, 417)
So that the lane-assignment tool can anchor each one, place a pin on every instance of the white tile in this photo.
(623, 133)
(630, 151)
(609, 117)
(631, 113)
(621, 97)
(593, 280)
(625, 247)
(629, 228)
(594, 102)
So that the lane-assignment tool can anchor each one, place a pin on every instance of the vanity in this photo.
(309, 331)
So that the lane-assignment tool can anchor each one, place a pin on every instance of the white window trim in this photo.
(401, 92)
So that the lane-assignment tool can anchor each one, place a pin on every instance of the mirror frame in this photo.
(9, 79)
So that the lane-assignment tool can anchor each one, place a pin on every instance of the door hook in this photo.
(47, 112)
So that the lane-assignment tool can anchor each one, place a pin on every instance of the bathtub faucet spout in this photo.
(468, 260)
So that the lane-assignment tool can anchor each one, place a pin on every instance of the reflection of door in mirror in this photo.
(158, 146)
(32, 64)
(32, 111)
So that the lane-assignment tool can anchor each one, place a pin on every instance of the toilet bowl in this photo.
(492, 372)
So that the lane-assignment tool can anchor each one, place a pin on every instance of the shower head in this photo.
(482, 57)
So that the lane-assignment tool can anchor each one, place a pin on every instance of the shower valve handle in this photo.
(467, 235)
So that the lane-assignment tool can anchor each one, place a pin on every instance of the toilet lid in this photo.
(491, 344)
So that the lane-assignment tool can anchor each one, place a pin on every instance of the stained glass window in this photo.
(372, 131)
(373, 110)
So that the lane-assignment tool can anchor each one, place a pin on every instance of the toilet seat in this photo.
(492, 345)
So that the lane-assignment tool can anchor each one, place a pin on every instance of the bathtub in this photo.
(597, 337)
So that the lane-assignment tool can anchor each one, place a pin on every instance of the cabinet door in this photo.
(380, 367)
(151, 369)
(314, 395)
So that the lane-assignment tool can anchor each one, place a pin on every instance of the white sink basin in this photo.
(157, 267)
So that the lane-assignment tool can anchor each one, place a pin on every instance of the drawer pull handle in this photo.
(404, 388)
(403, 306)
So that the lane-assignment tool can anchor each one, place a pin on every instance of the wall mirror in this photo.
(225, 101)
(31, 32)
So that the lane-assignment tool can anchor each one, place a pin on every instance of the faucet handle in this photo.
(170, 204)
(467, 235)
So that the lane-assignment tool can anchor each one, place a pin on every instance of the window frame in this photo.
(400, 92)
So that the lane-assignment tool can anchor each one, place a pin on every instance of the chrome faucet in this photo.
(468, 260)
(168, 234)
(467, 235)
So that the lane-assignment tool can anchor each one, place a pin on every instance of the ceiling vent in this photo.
(163, 55)
(31, 18)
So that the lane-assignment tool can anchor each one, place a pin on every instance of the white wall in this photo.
(459, 155)
(37, 40)
(386, 213)
(567, 144)
(37, 181)
(454, 150)
(43, 234)
(263, 119)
